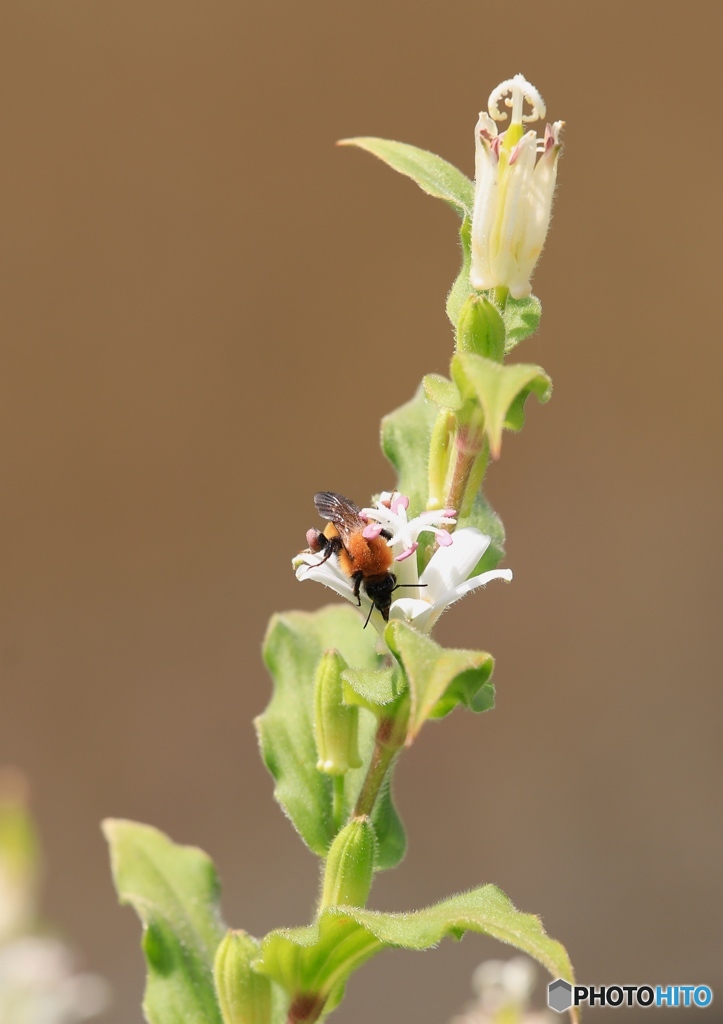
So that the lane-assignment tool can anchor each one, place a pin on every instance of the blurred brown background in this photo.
(189, 271)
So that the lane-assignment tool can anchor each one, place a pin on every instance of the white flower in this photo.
(503, 990)
(513, 190)
(39, 985)
(445, 579)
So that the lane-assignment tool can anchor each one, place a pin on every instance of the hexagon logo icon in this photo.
(559, 995)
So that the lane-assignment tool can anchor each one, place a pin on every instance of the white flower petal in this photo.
(416, 612)
(329, 575)
(451, 565)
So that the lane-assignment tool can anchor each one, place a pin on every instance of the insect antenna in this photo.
(409, 585)
(371, 609)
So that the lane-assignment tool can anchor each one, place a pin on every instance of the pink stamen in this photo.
(444, 539)
(449, 513)
(407, 553)
(372, 531)
(400, 502)
(514, 154)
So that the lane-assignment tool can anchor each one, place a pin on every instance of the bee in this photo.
(366, 561)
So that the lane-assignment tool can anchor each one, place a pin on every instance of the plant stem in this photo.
(338, 802)
(390, 737)
(467, 447)
(305, 1009)
(500, 296)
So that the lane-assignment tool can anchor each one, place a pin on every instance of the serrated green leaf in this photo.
(316, 961)
(501, 391)
(435, 176)
(439, 678)
(405, 437)
(294, 644)
(522, 318)
(174, 890)
(442, 392)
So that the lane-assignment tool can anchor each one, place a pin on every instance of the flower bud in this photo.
(243, 995)
(350, 866)
(481, 329)
(513, 190)
(336, 725)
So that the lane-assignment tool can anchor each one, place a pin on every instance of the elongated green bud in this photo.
(439, 455)
(243, 995)
(336, 725)
(350, 865)
(481, 329)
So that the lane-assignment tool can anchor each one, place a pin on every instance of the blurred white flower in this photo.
(513, 190)
(503, 989)
(39, 983)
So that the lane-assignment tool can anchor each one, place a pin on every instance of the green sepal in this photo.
(405, 437)
(244, 995)
(435, 176)
(481, 329)
(350, 866)
(315, 962)
(521, 318)
(442, 392)
(294, 644)
(336, 724)
(175, 892)
(439, 678)
(501, 391)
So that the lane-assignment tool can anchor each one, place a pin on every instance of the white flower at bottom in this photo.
(445, 579)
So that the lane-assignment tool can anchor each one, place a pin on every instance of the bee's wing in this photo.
(344, 514)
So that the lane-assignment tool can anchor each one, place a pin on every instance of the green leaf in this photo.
(317, 961)
(294, 644)
(485, 519)
(461, 289)
(501, 391)
(522, 318)
(439, 678)
(174, 890)
(434, 175)
(442, 392)
(405, 437)
(374, 689)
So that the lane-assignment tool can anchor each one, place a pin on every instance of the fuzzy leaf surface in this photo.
(405, 436)
(522, 318)
(319, 959)
(484, 518)
(434, 175)
(439, 678)
(295, 641)
(461, 289)
(501, 390)
(174, 890)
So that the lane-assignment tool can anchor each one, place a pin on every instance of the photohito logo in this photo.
(561, 995)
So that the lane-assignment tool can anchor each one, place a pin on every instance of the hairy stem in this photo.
(468, 446)
(338, 802)
(390, 737)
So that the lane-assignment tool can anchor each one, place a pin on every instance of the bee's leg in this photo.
(357, 577)
(318, 542)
